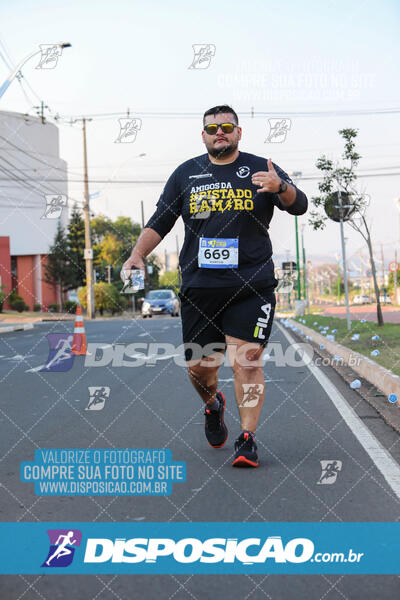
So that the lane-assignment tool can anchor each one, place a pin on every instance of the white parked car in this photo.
(362, 299)
(385, 299)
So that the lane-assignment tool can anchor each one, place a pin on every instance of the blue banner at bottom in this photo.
(150, 548)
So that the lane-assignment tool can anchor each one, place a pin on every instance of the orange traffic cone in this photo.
(79, 341)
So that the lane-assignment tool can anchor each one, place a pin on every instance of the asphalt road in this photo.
(154, 406)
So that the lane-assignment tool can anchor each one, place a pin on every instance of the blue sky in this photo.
(287, 57)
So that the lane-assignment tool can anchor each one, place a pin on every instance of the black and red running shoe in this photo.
(214, 426)
(245, 451)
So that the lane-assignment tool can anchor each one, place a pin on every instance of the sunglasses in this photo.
(212, 128)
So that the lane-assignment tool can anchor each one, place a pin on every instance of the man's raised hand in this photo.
(269, 181)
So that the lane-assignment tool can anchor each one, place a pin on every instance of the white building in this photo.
(33, 198)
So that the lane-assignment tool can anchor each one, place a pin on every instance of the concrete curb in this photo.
(381, 378)
(16, 327)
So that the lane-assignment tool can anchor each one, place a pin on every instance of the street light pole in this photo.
(297, 175)
(88, 237)
(298, 260)
(305, 286)
(6, 84)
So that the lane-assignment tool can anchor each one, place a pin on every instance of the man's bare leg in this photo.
(249, 382)
(204, 376)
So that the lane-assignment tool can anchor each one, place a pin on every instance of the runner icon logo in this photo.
(251, 394)
(330, 470)
(262, 322)
(54, 205)
(62, 547)
(203, 53)
(128, 130)
(98, 396)
(60, 355)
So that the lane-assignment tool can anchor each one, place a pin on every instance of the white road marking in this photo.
(20, 357)
(35, 369)
(166, 356)
(382, 459)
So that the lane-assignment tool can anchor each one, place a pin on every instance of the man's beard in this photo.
(223, 152)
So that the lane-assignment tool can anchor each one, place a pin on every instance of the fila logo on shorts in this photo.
(262, 322)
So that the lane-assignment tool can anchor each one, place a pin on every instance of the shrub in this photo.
(2, 297)
(54, 307)
(106, 297)
(70, 306)
(37, 307)
(17, 302)
(19, 305)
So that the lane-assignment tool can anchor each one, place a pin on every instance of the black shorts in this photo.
(208, 314)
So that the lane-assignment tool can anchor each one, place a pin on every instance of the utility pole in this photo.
(166, 261)
(40, 111)
(383, 268)
(108, 267)
(88, 237)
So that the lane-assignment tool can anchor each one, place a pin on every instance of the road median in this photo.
(383, 379)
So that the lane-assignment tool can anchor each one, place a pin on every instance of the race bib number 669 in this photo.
(218, 253)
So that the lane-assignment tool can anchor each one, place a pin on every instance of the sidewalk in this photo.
(391, 314)
(10, 318)
(15, 327)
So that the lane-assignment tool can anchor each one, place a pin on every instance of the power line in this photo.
(162, 181)
(35, 157)
(250, 114)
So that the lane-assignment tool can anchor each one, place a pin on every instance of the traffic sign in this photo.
(393, 266)
(339, 210)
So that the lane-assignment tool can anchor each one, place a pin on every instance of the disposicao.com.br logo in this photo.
(247, 551)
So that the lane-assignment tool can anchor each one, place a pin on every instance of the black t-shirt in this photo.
(220, 201)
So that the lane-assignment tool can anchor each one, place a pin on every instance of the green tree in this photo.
(108, 251)
(106, 298)
(342, 178)
(58, 269)
(390, 287)
(100, 225)
(170, 281)
(113, 241)
(154, 276)
(76, 247)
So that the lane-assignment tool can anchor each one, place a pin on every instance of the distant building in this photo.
(33, 198)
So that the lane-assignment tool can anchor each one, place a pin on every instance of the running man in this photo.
(226, 199)
(62, 549)
(64, 351)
